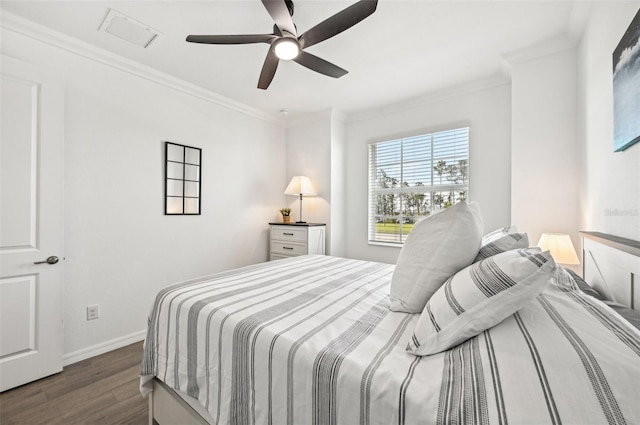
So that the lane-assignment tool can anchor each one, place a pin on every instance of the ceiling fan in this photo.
(286, 44)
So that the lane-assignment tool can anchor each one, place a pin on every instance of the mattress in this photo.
(310, 340)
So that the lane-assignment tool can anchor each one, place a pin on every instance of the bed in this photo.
(311, 340)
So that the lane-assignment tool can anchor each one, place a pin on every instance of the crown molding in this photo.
(433, 97)
(310, 118)
(578, 19)
(538, 50)
(14, 23)
(330, 115)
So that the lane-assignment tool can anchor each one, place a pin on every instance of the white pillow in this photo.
(501, 243)
(437, 247)
(479, 297)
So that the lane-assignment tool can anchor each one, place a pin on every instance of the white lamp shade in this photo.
(560, 246)
(300, 185)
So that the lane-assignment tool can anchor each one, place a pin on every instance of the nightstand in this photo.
(293, 239)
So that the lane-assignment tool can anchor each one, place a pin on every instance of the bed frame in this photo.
(166, 407)
(610, 264)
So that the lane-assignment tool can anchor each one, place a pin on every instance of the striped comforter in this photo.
(310, 340)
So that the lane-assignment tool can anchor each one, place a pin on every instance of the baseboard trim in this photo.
(102, 348)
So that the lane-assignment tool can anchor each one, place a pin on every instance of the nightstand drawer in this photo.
(288, 248)
(292, 240)
(289, 233)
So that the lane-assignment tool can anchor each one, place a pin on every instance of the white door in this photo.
(31, 226)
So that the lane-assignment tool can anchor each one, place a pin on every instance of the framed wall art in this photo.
(182, 172)
(626, 88)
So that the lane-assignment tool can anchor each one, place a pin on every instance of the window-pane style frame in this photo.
(412, 177)
(182, 174)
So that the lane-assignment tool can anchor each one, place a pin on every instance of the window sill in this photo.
(387, 244)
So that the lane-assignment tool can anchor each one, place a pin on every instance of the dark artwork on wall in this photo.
(626, 88)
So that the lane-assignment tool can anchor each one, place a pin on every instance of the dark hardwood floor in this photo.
(99, 390)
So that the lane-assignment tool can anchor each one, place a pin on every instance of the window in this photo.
(413, 177)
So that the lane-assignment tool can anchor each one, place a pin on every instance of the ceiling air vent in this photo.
(128, 29)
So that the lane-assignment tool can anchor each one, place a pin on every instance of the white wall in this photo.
(338, 241)
(120, 247)
(544, 150)
(308, 153)
(316, 149)
(610, 189)
(485, 108)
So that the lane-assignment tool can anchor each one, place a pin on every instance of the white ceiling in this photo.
(405, 49)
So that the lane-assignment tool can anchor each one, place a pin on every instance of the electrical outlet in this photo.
(93, 312)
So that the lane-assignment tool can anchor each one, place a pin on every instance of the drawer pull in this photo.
(288, 234)
(286, 247)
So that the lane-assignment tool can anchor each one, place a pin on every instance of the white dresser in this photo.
(291, 240)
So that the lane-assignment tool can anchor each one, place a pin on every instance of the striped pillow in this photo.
(498, 233)
(501, 243)
(479, 297)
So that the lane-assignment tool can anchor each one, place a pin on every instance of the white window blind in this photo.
(413, 177)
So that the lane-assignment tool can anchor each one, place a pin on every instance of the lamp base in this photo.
(301, 222)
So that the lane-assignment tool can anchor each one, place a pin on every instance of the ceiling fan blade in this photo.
(280, 15)
(317, 64)
(268, 69)
(231, 39)
(339, 22)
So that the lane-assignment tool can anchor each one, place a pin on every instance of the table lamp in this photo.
(560, 246)
(300, 185)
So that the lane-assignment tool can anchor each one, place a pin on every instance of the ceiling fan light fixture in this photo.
(287, 48)
(285, 42)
